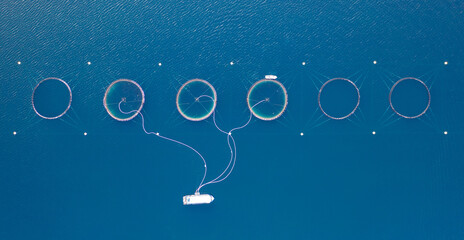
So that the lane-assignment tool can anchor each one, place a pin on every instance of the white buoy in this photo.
(374, 62)
(231, 63)
(85, 134)
(445, 132)
(373, 133)
(19, 63)
(88, 63)
(14, 133)
(303, 63)
(301, 134)
(446, 63)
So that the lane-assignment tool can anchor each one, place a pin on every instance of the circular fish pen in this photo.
(355, 95)
(267, 99)
(196, 100)
(51, 98)
(404, 90)
(127, 91)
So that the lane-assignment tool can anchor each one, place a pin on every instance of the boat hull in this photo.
(197, 199)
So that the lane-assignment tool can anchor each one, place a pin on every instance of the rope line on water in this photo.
(230, 138)
(169, 139)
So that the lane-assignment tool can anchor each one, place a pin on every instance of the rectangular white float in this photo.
(273, 77)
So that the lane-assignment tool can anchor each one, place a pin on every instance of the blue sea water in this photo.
(336, 181)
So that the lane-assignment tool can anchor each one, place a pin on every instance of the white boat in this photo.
(272, 77)
(197, 198)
